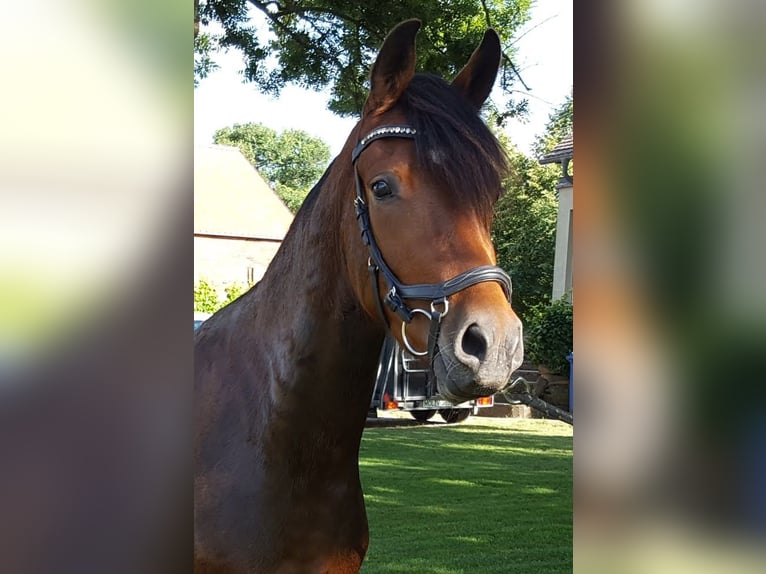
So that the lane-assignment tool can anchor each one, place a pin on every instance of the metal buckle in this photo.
(393, 300)
(443, 301)
(360, 207)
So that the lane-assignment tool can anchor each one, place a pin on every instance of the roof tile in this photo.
(563, 150)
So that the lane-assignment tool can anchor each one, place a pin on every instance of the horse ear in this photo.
(393, 68)
(476, 79)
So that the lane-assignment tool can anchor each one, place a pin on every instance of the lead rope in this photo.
(433, 334)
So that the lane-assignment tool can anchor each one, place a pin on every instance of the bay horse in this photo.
(284, 374)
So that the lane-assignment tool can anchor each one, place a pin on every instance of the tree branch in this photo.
(486, 13)
(263, 7)
(485, 9)
(515, 71)
(517, 38)
(300, 11)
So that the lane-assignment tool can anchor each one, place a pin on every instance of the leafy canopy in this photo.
(291, 161)
(524, 229)
(332, 43)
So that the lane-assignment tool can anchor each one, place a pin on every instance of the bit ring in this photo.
(410, 348)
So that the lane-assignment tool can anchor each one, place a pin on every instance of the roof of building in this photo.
(563, 150)
(231, 198)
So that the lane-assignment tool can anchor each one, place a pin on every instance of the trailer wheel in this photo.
(454, 415)
(422, 416)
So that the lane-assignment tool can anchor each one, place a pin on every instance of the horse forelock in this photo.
(453, 145)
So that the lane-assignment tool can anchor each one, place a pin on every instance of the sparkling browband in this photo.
(385, 130)
(382, 132)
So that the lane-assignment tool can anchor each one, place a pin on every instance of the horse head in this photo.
(428, 173)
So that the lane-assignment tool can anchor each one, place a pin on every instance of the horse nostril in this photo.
(474, 343)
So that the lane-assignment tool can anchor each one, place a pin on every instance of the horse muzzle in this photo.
(476, 357)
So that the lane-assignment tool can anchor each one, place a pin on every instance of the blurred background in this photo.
(669, 273)
(96, 260)
(95, 263)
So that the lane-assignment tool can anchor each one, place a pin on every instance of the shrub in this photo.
(205, 297)
(548, 338)
(233, 291)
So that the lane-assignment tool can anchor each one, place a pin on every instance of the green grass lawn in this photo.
(485, 496)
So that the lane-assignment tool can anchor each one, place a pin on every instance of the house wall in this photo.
(224, 261)
(562, 265)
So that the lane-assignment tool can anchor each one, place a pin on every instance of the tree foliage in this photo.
(549, 335)
(206, 297)
(332, 43)
(291, 161)
(524, 230)
(234, 291)
(203, 57)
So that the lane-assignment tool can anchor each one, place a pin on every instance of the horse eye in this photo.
(381, 189)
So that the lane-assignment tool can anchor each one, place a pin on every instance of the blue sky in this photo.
(544, 60)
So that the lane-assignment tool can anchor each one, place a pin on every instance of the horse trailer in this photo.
(404, 383)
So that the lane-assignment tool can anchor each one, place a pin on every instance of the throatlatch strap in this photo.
(373, 269)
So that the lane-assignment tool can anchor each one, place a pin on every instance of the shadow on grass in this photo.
(467, 499)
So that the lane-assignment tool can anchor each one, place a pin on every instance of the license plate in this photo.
(435, 404)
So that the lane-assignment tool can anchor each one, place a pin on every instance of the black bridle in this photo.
(436, 293)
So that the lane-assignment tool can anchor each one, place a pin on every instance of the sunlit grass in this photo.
(485, 496)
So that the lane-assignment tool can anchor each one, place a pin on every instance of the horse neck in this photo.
(318, 344)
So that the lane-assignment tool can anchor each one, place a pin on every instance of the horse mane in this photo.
(454, 145)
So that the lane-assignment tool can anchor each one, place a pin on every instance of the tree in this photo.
(291, 161)
(332, 43)
(524, 230)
